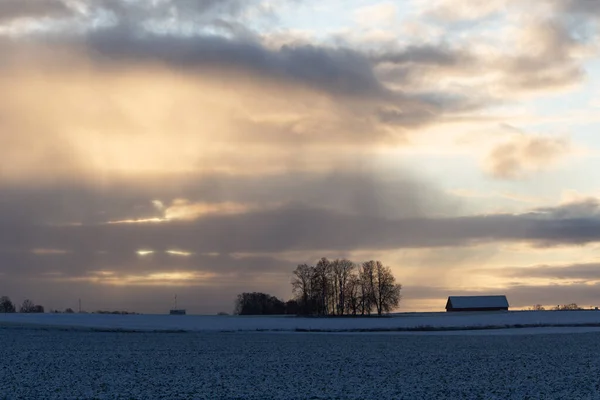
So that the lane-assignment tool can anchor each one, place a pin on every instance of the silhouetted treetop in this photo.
(6, 305)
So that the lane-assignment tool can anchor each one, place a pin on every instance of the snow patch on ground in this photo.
(520, 321)
(55, 364)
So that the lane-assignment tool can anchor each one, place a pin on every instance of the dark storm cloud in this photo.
(194, 6)
(366, 191)
(46, 264)
(584, 208)
(298, 227)
(585, 7)
(64, 203)
(133, 13)
(337, 70)
(400, 117)
(428, 55)
(18, 9)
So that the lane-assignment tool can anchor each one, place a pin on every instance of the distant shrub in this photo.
(567, 307)
(38, 309)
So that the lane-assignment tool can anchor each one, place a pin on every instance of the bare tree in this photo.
(367, 287)
(342, 271)
(302, 286)
(386, 293)
(322, 282)
(352, 296)
(27, 307)
(334, 287)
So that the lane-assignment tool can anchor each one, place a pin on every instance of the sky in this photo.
(206, 147)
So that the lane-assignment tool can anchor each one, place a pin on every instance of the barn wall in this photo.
(478, 309)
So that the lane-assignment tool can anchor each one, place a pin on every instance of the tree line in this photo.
(28, 306)
(330, 287)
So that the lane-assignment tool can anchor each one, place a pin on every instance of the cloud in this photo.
(586, 207)
(360, 191)
(359, 96)
(585, 7)
(529, 50)
(11, 10)
(114, 123)
(466, 10)
(523, 154)
(336, 71)
(297, 227)
(586, 272)
(115, 267)
(256, 111)
(383, 13)
(424, 54)
(550, 56)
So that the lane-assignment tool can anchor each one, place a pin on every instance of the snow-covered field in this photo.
(61, 364)
(396, 322)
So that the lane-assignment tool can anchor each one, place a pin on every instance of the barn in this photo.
(477, 303)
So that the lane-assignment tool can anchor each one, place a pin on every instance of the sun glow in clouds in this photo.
(177, 278)
(104, 273)
(179, 253)
(137, 221)
(183, 209)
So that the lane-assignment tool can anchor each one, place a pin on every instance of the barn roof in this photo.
(477, 301)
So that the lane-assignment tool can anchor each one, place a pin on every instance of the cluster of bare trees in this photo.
(342, 287)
